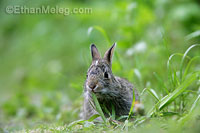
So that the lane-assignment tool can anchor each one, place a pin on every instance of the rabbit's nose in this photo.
(92, 86)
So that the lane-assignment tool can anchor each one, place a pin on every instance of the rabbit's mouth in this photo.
(92, 89)
(96, 89)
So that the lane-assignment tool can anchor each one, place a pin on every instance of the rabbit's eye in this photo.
(86, 76)
(106, 75)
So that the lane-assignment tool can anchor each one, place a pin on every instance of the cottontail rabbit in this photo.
(111, 91)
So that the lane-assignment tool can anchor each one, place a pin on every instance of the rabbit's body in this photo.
(111, 91)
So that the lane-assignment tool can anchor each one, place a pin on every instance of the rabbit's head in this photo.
(100, 79)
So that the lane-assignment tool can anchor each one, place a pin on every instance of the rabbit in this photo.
(111, 91)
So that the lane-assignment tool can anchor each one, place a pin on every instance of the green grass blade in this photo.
(176, 80)
(172, 96)
(195, 103)
(193, 35)
(113, 112)
(170, 113)
(140, 120)
(98, 107)
(101, 30)
(144, 90)
(169, 68)
(153, 110)
(132, 105)
(122, 117)
(153, 93)
(125, 126)
(105, 109)
(75, 123)
(183, 58)
(83, 121)
(93, 117)
(188, 66)
(187, 117)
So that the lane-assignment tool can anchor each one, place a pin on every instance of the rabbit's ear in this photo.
(109, 53)
(95, 53)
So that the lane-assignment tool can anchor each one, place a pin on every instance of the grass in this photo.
(169, 105)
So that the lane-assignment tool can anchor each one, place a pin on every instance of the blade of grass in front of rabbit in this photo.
(113, 112)
(74, 123)
(132, 105)
(98, 107)
(130, 112)
(105, 109)
(93, 117)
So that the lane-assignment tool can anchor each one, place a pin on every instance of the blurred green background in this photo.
(44, 57)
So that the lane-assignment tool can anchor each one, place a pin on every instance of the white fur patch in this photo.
(87, 87)
(96, 62)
